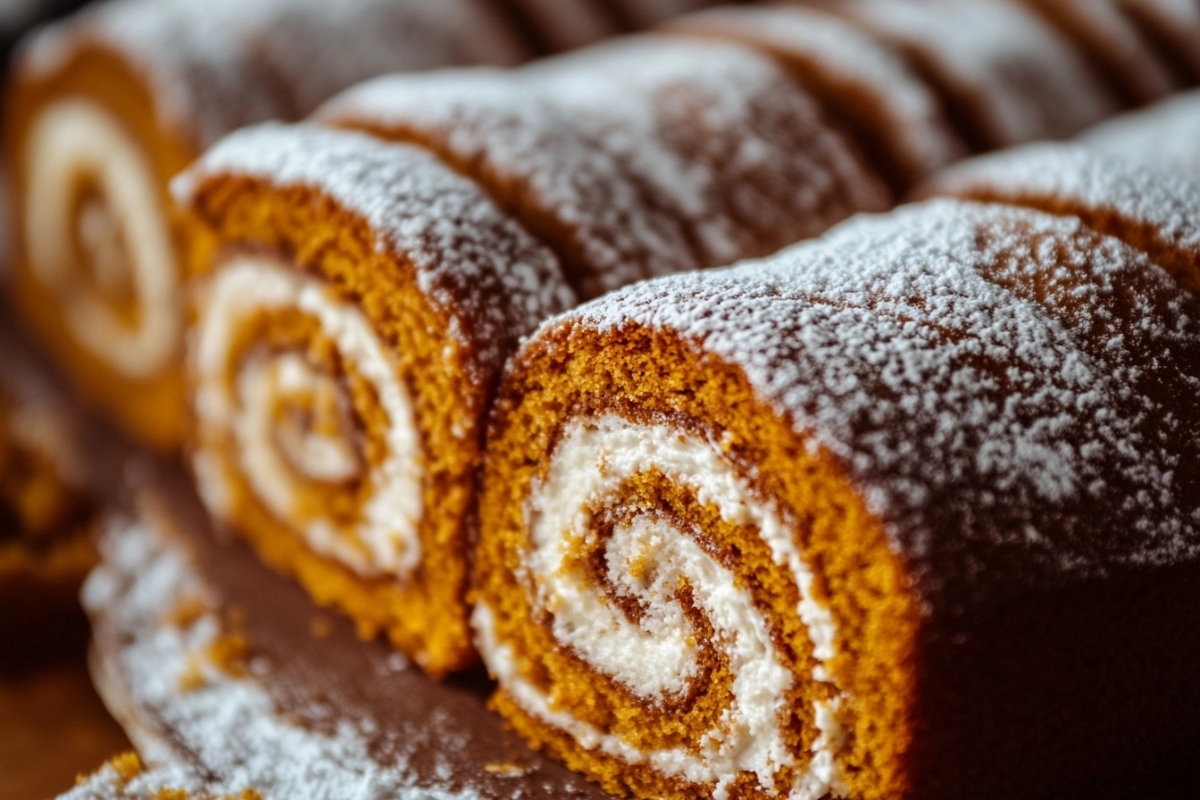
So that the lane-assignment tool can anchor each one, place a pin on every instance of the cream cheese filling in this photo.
(646, 559)
(238, 412)
(76, 138)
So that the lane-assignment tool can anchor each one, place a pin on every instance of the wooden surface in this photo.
(53, 727)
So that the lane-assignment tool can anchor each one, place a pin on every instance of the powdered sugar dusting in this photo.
(150, 784)
(980, 372)
(1017, 78)
(1165, 134)
(641, 157)
(216, 65)
(228, 728)
(1074, 178)
(473, 262)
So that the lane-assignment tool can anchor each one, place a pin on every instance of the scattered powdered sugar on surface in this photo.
(996, 432)
(1165, 134)
(149, 784)
(219, 64)
(228, 727)
(472, 261)
(652, 154)
(1026, 80)
(1078, 177)
(915, 128)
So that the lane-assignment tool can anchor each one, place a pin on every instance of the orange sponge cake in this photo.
(859, 520)
(105, 107)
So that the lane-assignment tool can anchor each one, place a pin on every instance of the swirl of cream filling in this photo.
(238, 395)
(655, 656)
(123, 232)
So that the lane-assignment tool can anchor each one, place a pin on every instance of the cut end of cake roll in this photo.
(355, 303)
(679, 594)
(829, 524)
(95, 271)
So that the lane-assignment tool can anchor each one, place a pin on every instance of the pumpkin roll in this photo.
(904, 512)
(1143, 205)
(1005, 75)
(353, 309)
(45, 513)
(1173, 30)
(105, 107)
(864, 84)
(1113, 42)
(639, 157)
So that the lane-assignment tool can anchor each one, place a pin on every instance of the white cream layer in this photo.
(77, 137)
(645, 560)
(239, 409)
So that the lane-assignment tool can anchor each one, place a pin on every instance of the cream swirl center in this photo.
(120, 232)
(275, 421)
(646, 558)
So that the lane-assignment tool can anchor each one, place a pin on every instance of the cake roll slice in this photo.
(353, 310)
(105, 107)
(1005, 74)
(909, 512)
(640, 157)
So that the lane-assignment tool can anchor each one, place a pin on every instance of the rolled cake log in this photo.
(1005, 75)
(906, 512)
(1172, 28)
(106, 107)
(863, 83)
(640, 157)
(1109, 34)
(1149, 208)
(349, 330)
